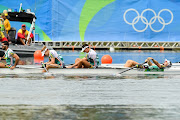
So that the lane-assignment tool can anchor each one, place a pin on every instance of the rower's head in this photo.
(23, 27)
(167, 63)
(44, 51)
(5, 45)
(85, 48)
(3, 16)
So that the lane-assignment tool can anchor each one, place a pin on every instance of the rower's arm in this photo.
(16, 59)
(149, 62)
(52, 61)
(94, 59)
(156, 62)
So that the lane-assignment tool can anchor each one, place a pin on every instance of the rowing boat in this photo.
(103, 71)
(64, 71)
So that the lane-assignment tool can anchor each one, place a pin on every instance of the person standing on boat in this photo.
(7, 25)
(12, 58)
(156, 65)
(90, 61)
(23, 34)
(55, 59)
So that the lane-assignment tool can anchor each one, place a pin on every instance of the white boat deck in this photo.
(104, 70)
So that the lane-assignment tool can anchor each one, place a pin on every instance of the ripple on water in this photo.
(98, 112)
(89, 97)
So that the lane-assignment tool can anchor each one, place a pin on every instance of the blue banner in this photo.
(104, 20)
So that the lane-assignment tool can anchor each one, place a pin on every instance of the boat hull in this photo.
(87, 71)
(64, 71)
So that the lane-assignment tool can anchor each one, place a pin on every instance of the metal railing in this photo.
(118, 45)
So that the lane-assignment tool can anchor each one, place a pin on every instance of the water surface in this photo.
(145, 97)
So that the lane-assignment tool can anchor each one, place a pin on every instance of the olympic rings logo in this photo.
(145, 21)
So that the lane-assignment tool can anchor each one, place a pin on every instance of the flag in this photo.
(20, 9)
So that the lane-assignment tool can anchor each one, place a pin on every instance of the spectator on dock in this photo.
(22, 36)
(2, 37)
(6, 23)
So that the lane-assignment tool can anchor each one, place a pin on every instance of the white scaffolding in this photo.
(116, 45)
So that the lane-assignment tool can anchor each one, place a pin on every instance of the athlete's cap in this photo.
(43, 50)
(23, 25)
(84, 47)
(168, 61)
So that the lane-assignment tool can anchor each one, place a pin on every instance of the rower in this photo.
(12, 58)
(154, 65)
(90, 61)
(157, 65)
(55, 59)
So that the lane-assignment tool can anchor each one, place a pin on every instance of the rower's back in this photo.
(58, 58)
(93, 58)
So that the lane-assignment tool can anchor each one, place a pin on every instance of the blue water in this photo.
(119, 57)
(122, 56)
(39, 97)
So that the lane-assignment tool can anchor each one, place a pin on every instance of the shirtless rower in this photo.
(90, 61)
(12, 58)
(55, 59)
(154, 65)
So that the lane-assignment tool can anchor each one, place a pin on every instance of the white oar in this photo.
(47, 73)
(44, 66)
(119, 74)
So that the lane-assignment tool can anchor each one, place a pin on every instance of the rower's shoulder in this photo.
(93, 51)
(52, 51)
(9, 50)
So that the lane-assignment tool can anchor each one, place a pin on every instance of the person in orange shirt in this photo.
(23, 34)
(7, 25)
(2, 37)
